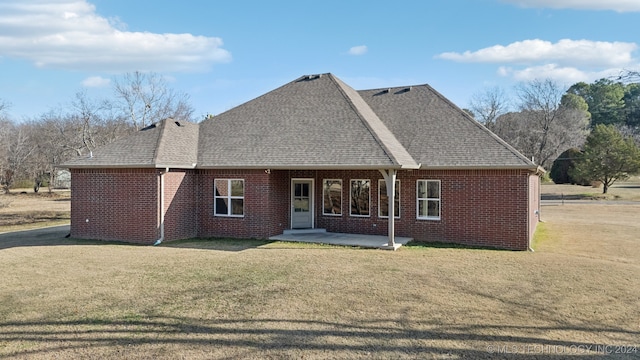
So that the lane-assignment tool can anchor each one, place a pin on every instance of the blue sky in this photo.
(224, 53)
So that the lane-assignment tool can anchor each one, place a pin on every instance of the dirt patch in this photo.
(22, 209)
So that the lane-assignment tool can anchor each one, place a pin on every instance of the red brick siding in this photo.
(115, 204)
(488, 207)
(478, 207)
(180, 219)
(263, 215)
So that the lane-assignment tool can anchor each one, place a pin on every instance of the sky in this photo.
(224, 53)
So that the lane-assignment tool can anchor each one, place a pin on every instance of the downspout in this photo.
(539, 207)
(529, 200)
(161, 239)
(390, 180)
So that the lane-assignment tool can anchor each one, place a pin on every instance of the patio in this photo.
(321, 236)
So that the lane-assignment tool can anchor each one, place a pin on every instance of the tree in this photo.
(562, 168)
(632, 106)
(605, 98)
(486, 106)
(629, 76)
(548, 122)
(18, 152)
(145, 98)
(607, 157)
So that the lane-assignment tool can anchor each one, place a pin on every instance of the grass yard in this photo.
(243, 299)
(628, 190)
(227, 299)
(23, 209)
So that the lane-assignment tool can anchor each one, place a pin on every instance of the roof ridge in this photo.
(394, 149)
(159, 142)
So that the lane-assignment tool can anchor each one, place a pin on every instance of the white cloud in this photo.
(70, 34)
(567, 60)
(96, 81)
(566, 51)
(358, 50)
(615, 5)
(567, 75)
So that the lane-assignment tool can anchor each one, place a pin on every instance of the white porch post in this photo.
(390, 179)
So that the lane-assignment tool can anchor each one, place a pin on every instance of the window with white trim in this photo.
(428, 198)
(360, 195)
(228, 197)
(383, 199)
(332, 197)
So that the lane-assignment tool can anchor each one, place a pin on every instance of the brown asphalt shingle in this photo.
(437, 133)
(164, 144)
(319, 122)
(311, 122)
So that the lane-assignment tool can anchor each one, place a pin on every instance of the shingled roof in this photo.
(437, 133)
(164, 144)
(312, 122)
(319, 122)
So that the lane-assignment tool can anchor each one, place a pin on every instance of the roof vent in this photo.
(178, 123)
(387, 90)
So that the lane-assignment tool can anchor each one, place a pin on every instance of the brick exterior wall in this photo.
(115, 204)
(266, 203)
(180, 205)
(478, 207)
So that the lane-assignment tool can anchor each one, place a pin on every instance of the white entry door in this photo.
(301, 204)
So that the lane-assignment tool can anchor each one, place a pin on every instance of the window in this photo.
(228, 197)
(360, 194)
(332, 197)
(383, 199)
(428, 199)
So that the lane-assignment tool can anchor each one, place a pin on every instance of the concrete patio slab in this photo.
(320, 236)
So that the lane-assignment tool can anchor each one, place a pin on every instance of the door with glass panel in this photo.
(301, 204)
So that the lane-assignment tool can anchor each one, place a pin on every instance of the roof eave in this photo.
(128, 166)
(533, 168)
(308, 167)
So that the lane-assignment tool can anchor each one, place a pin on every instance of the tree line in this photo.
(544, 121)
(584, 133)
(32, 148)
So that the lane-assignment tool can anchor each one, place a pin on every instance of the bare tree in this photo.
(145, 98)
(628, 76)
(3, 107)
(19, 149)
(488, 104)
(75, 130)
(547, 124)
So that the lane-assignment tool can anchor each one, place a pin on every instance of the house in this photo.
(314, 153)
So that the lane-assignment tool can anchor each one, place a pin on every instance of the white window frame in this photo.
(324, 197)
(427, 199)
(380, 181)
(351, 197)
(229, 197)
